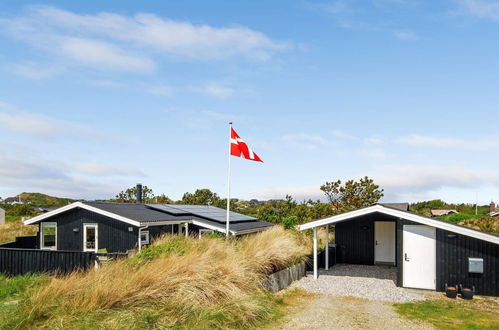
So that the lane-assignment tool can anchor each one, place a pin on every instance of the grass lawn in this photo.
(444, 313)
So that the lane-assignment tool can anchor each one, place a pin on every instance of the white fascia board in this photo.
(202, 224)
(163, 223)
(83, 206)
(249, 231)
(337, 218)
(404, 215)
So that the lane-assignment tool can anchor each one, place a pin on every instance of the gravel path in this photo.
(375, 283)
(328, 312)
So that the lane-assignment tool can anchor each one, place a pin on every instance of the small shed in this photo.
(428, 253)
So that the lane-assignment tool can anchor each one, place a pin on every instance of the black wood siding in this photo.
(113, 234)
(355, 239)
(452, 262)
(23, 261)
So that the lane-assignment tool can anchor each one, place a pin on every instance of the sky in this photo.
(96, 96)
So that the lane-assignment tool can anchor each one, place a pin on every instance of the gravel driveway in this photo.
(353, 297)
(368, 282)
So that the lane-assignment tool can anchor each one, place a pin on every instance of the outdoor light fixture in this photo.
(130, 228)
(75, 230)
(365, 227)
(451, 235)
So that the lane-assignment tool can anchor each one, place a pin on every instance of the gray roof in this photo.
(204, 211)
(152, 213)
(398, 206)
(133, 211)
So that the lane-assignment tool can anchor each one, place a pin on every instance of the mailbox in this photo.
(475, 265)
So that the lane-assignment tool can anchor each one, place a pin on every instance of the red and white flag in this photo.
(239, 148)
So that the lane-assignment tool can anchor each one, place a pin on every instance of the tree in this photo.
(352, 194)
(20, 210)
(130, 195)
(162, 199)
(201, 197)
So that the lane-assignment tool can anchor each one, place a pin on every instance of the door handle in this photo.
(376, 242)
(405, 257)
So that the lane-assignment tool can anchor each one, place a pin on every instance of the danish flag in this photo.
(239, 148)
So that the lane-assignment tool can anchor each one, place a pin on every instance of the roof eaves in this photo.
(83, 206)
(408, 216)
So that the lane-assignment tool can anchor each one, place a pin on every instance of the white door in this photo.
(384, 242)
(90, 237)
(419, 259)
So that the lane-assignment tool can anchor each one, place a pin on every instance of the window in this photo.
(48, 235)
(205, 232)
(90, 237)
(144, 237)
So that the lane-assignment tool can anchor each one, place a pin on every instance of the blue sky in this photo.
(96, 96)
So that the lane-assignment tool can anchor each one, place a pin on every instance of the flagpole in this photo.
(227, 233)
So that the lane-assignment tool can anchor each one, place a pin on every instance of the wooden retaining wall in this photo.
(283, 278)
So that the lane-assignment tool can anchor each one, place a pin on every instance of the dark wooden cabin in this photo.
(427, 253)
(120, 227)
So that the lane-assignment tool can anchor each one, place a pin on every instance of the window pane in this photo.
(90, 237)
(144, 237)
(48, 235)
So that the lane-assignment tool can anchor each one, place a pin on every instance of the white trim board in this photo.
(133, 222)
(404, 215)
(83, 206)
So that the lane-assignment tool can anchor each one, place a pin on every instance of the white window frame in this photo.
(146, 241)
(85, 226)
(205, 231)
(42, 226)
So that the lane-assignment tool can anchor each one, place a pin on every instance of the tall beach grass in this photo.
(177, 281)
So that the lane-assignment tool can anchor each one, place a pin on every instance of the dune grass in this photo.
(10, 230)
(454, 314)
(177, 282)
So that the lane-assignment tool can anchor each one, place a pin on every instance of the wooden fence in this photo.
(23, 261)
(22, 242)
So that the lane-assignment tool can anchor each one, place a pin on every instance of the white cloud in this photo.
(32, 70)
(406, 182)
(214, 90)
(373, 141)
(405, 35)
(221, 115)
(472, 144)
(306, 141)
(482, 8)
(343, 135)
(108, 83)
(112, 41)
(44, 127)
(99, 169)
(58, 178)
(161, 90)
(103, 55)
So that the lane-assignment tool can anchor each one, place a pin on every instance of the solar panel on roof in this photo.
(205, 211)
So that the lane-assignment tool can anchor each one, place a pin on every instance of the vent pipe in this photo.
(139, 193)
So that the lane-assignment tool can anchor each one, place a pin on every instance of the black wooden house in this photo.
(120, 227)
